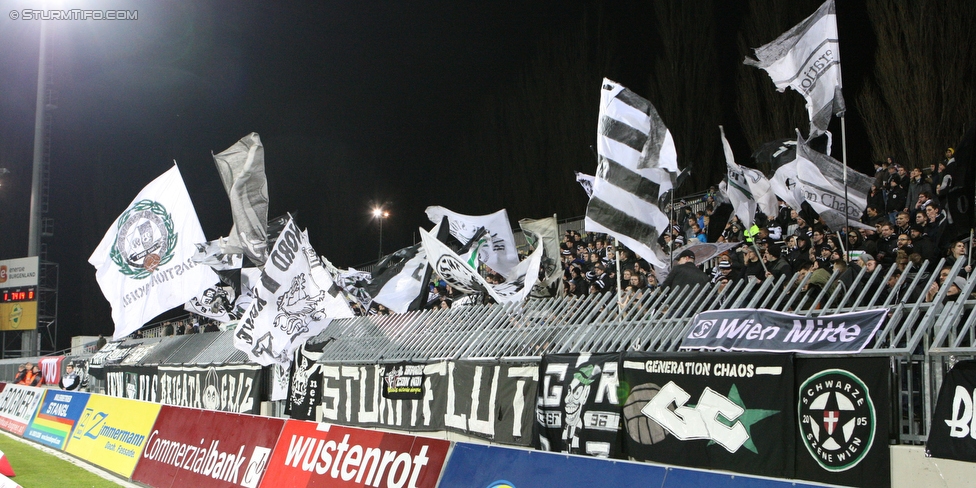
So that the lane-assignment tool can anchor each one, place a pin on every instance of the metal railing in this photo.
(922, 335)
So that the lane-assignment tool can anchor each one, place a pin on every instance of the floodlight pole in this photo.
(30, 340)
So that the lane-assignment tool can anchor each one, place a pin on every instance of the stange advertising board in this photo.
(59, 412)
(318, 454)
(191, 447)
(17, 406)
(112, 432)
(953, 432)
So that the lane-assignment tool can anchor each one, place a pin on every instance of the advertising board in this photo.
(17, 406)
(112, 432)
(59, 412)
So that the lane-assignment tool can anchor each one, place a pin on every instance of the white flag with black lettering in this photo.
(822, 180)
(499, 252)
(637, 167)
(462, 277)
(144, 264)
(241, 169)
(736, 186)
(291, 303)
(807, 59)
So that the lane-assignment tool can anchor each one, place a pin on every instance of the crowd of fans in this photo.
(904, 222)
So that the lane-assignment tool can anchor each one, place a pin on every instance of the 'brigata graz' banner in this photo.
(953, 435)
(770, 331)
(489, 400)
(843, 416)
(226, 388)
(718, 411)
(577, 407)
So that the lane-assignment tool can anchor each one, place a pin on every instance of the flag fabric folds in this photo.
(241, 169)
(499, 252)
(822, 181)
(586, 181)
(454, 270)
(807, 59)
(396, 279)
(144, 264)
(545, 233)
(637, 164)
(736, 186)
(295, 299)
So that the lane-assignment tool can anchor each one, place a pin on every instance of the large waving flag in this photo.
(807, 59)
(241, 169)
(736, 186)
(638, 163)
(545, 233)
(499, 251)
(462, 277)
(294, 300)
(822, 180)
(144, 264)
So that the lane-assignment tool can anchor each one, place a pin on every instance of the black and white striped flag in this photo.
(638, 162)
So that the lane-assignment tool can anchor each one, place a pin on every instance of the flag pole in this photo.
(847, 201)
(616, 257)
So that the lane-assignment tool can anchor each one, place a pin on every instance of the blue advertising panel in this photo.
(59, 412)
(481, 466)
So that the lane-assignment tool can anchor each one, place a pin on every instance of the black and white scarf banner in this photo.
(770, 331)
(305, 387)
(718, 411)
(462, 277)
(234, 389)
(953, 434)
(577, 407)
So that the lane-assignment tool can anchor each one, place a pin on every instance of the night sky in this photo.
(357, 104)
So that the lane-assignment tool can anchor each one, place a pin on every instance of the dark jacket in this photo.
(686, 275)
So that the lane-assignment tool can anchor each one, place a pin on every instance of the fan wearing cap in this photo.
(685, 273)
(751, 267)
(777, 267)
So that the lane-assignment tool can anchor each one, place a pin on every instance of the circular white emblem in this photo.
(837, 419)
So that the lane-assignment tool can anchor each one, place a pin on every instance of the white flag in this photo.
(456, 272)
(292, 302)
(586, 181)
(241, 169)
(762, 191)
(807, 59)
(499, 253)
(545, 233)
(822, 180)
(638, 164)
(144, 264)
(736, 186)
(216, 302)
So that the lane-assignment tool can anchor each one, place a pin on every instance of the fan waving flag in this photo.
(637, 167)
(144, 264)
(807, 59)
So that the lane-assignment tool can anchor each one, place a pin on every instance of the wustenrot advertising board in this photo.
(17, 406)
(318, 454)
(112, 432)
(192, 447)
(59, 412)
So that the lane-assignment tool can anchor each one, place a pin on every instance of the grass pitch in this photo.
(37, 469)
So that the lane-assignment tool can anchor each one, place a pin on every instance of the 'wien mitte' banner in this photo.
(769, 331)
